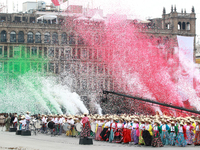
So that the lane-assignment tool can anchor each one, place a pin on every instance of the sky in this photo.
(142, 9)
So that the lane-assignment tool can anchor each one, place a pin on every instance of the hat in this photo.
(28, 112)
(136, 120)
(157, 121)
(181, 123)
(85, 113)
(173, 122)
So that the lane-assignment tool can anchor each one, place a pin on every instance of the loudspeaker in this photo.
(26, 133)
(18, 132)
(85, 141)
(12, 129)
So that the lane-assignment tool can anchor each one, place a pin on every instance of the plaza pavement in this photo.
(8, 140)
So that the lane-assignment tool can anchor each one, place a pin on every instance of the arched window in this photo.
(30, 37)
(71, 38)
(3, 36)
(64, 38)
(47, 37)
(13, 37)
(38, 37)
(179, 25)
(55, 38)
(183, 25)
(188, 26)
(21, 37)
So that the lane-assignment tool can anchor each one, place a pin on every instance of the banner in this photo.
(58, 2)
(186, 58)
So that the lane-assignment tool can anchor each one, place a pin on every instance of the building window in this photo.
(45, 52)
(67, 67)
(62, 53)
(11, 51)
(34, 51)
(67, 54)
(51, 52)
(1, 51)
(28, 52)
(57, 52)
(40, 52)
(16, 51)
(30, 37)
(47, 38)
(5, 52)
(38, 37)
(3, 36)
(71, 38)
(84, 84)
(21, 37)
(32, 19)
(183, 25)
(179, 25)
(13, 36)
(51, 67)
(84, 53)
(64, 38)
(17, 19)
(55, 38)
(188, 26)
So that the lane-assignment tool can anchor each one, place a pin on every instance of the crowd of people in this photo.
(155, 131)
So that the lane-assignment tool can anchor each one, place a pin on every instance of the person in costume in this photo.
(86, 126)
(15, 121)
(44, 123)
(99, 129)
(157, 142)
(197, 134)
(141, 128)
(172, 134)
(104, 135)
(28, 118)
(164, 135)
(112, 129)
(7, 122)
(118, 134)
(135, 131)
(147, 133)
(127, 131)
(180, 140)
(189, 133)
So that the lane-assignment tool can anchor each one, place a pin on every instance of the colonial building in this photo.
(43, 34)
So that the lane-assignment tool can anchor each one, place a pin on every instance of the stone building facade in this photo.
(68, 52)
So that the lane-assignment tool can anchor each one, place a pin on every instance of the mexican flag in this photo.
(58, 2)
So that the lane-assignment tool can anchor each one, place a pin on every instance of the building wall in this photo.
(69, 54)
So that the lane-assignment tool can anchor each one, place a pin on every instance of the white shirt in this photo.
(197, 128)
(164, 127)
(187, 128)
(172, 128)
(142, 127)
(155, 128)
(119, 125)
(180, 129)
(23, 122)
(15, 120)
(134, 125)
(44, 120)
(113, 125)
(147, 127)
(107, 124)
(27, 117)
(100, 124)
(56, 121)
